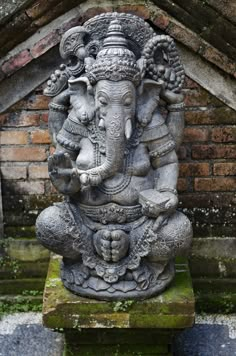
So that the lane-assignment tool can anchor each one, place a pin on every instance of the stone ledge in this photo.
(173, 309)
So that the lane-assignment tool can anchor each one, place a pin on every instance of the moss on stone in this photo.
(173, 308)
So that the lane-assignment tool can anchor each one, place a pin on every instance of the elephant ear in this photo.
(147, 100)
(82, 99)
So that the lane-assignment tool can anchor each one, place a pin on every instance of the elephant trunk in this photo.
(116, 131)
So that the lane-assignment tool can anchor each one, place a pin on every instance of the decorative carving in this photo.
(118, 229)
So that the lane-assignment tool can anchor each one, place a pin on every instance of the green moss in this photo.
(20, 231)
(122, 305)
(10, 264)
(66, 310)
(224, 303)
(20, 304)
(17, 286)
(116, 350)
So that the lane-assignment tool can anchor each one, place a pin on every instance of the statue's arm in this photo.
(166, 171)
(58, 112)
(164, 162)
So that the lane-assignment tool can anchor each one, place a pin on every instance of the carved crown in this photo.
(114, 61)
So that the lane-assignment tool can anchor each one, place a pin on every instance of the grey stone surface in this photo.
(22, 334)
(16, 87)
(212, 335)
(202, 72)
(9, 7)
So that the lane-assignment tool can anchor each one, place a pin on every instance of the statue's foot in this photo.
(112, 246)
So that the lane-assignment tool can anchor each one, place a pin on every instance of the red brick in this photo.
(23, 119)
(44, 117)
(224, 169)
(213, 151)
(222, 61)
(16, 62)
(38, 8)
(161, 20)
(2, 75)
(40, 136)
(39, 102)
(184, 35)
(13, 172)
(49, 41)
(182, 185)
(194, 169)
(3, 119)
(23, 154)
(220, 115)
(93, 11)
(51, 188)
(69, 24)
(182, 152)
(195, 134)
(33, 102)
(52, 150)
(215, 184)
(38, 172)
(200, 97)
(190, 84)
(13, 137)
(138, 10)
(224, 134)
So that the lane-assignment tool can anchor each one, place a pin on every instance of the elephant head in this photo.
(112, 88)
(117, 105)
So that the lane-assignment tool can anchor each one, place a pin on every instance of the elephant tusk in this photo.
(128, 129)
(101, 124)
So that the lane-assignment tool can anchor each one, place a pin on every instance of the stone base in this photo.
(118, 291)
(118, 328)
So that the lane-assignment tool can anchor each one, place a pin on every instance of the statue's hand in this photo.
(170, 97)
(156, 202)
(172, 201)
(62, 174)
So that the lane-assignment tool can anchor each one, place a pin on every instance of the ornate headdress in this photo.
(114, 61)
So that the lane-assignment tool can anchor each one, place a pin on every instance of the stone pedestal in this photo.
(102, 328)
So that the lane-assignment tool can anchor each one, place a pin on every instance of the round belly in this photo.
(110, 191)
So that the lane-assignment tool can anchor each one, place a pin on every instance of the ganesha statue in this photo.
(116, 119)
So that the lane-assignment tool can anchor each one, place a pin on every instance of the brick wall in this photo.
(25, 148)
(207, 167)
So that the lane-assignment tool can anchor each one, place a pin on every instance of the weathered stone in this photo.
(17, 286)
(26, 79)
(227, 8)
(9, 8)
(25, 270)
(17, 173)
(18, 61)
(19, 231)
(174, 309)
(26, 250)
(23, 154)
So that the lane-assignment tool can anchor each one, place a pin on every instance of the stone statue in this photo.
(116, 120)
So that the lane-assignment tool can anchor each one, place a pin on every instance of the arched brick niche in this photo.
(207, 166)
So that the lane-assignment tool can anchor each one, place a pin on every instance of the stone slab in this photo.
(173, 309)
